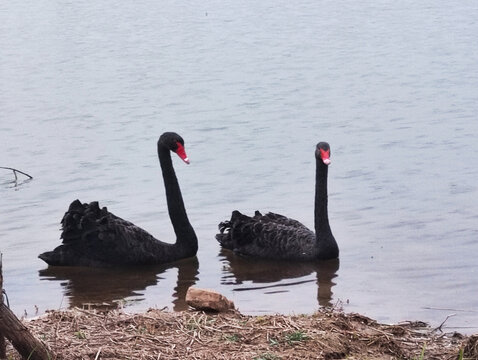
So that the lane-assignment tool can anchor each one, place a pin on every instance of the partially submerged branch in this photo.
(13, 330)
(443, 323)
(15, 172)
(3, 347)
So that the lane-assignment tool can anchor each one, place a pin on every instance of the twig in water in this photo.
(444, 321)
(15, 172)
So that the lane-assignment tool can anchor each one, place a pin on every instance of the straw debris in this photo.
(156, 334)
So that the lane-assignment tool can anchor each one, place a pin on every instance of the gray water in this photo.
(86, 88)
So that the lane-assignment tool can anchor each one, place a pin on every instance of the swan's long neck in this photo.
(186, 237)
(327, 246)
(322, 227)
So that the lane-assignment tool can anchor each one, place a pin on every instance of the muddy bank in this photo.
(156, 334)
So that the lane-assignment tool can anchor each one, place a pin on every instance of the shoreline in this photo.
(191, 334)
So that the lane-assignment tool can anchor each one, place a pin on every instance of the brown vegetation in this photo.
(80, 334)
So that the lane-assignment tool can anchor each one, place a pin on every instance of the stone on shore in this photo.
(204, 299)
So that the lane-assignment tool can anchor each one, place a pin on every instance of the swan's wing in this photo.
(267, 236)
(95, 237)
(284, 220)
(88, 223)
(225, 237)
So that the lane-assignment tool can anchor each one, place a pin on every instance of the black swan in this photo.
(97, 238)
(275, 236)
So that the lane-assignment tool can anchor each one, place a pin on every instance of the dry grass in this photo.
(80, 334)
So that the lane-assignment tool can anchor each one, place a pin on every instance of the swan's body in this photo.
(95, 237)
(275, 236)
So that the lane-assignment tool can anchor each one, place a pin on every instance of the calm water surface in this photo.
(86, 88)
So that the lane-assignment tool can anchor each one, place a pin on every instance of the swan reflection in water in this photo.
(272, 273)
(106, 288)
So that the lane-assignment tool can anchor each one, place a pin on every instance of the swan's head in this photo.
(174, 143)
(323, 152)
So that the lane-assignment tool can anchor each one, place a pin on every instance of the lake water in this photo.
(86, 88)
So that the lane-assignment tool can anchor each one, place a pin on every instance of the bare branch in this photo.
(443, 323)
(15, 171)
(3, 345)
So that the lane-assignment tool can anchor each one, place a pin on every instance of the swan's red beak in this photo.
(182, 153)
(325, 156)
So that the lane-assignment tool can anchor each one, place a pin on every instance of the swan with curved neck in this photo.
(275, 236)
(96, 237)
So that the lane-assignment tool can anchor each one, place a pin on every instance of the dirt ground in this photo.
(156, 334)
